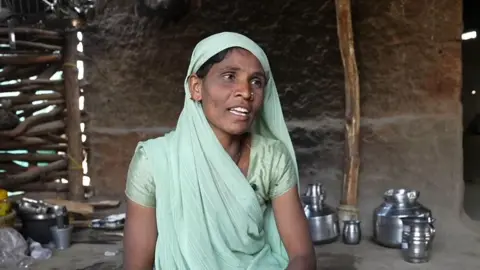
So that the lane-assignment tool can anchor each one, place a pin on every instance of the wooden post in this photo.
(74, 135)
(348, 208)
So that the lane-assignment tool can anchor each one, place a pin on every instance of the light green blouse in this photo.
(271, 173)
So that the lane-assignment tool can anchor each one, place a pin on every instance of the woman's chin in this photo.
(237, 130)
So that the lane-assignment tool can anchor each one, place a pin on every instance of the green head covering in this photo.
(208, 216)
(270, 122)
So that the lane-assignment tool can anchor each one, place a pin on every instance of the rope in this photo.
(76, 165)
(70, 65)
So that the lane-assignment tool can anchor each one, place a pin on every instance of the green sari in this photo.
(209, 215)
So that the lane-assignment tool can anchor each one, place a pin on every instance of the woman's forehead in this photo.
(239, 58)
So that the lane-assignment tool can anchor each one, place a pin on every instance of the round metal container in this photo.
(387, 218)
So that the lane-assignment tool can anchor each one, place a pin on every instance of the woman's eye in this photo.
(229, 77)
(257, 83)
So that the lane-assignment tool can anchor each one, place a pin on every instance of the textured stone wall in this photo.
(410, 65)
(409, 62)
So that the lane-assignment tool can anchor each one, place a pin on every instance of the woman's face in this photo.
(232, 92)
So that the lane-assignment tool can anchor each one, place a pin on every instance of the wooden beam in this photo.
(28, 59)
(31, 31)
(349, 197)
(29, 176)
(73, 132)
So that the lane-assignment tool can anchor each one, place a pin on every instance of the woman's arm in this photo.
(140, 237)
(294, 230)
(289, 215)
(140, 233)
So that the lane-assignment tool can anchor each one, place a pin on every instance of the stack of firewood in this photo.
(39, 139)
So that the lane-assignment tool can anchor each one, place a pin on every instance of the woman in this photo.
(221, 191)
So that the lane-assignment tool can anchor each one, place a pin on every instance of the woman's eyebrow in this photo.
(260, 74)
(230, 68)
(254, 74)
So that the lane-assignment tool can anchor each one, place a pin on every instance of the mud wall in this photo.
(410, 66)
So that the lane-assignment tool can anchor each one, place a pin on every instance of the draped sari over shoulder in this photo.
(208, 216)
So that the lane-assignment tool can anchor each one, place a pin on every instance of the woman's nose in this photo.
(243, 90)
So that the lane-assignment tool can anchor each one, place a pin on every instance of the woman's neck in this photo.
(231, 143)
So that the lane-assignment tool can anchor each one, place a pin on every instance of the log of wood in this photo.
(53, 147)
(31, 89)
(34, 45)
(40, 187)
(49, 72)
(19, 100)
(42, 82)
(74, 134)
(46, 128)
(14, 72)
(9, 181)
(11, 167)
(55, 175)
(8, 50)
(21, 142)
(20, 72)
(30, 122)
(28, 59)
(32, 31)
(8, 70)
(49, 147)
(54, 138)
(39, 81)
(30, 143)
(30, 157)
(348, 205)
(44, 177)
(37, 107)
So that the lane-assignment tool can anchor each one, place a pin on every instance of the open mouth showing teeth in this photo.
(239, 111)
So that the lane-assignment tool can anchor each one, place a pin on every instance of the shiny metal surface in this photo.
(352, 233)
(417, 239)
(322, 219)
(387, 218)
(30, 209)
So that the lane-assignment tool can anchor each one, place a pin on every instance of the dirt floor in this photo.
(455, 248)
(457, 252)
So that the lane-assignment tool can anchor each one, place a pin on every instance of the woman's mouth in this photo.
(240, 111)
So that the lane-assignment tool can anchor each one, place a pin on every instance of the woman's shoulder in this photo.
(272, 166)
(155, 143)
(274, 145)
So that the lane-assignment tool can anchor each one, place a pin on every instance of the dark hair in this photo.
(217, 58)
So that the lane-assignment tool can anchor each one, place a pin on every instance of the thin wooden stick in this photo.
(11, 167)
(28, 59)
(36, 107)
(31, 121)
(39, 81)
(33, 146)
(29, 99)
(20, 72)
(40, 187)
(54, 138)
(352, 106)
(46, 128)
(32, 31)
(37, 45)
(74, 134)
(30, 175)
(49, 72)
(30, 157)
(21, 142)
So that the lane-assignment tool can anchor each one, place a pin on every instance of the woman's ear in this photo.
(195, 87)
